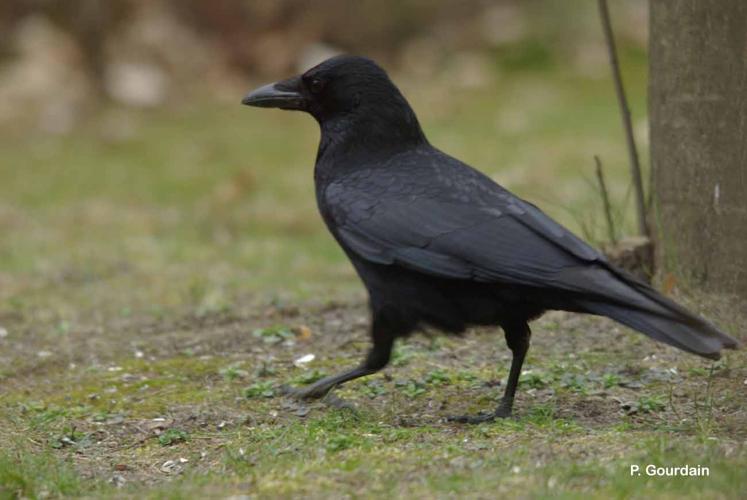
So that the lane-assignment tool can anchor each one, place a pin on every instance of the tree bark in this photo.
(698, 110)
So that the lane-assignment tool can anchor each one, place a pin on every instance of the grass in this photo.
(32, 475)
(161, 271)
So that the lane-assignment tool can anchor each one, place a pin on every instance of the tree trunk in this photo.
(698, 109)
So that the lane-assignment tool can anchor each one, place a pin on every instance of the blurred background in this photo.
(133, 182)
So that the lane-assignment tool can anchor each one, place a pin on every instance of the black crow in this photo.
(437, 243)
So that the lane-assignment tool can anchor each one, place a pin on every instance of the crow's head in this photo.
(348, 88)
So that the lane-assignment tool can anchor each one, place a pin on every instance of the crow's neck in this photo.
(367, 137)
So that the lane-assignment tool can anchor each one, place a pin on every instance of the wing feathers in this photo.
(445, 219)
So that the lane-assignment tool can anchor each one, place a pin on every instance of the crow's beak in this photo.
(284, 95)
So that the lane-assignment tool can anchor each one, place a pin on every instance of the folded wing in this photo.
(499, 238)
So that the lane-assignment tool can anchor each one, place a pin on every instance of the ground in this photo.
(162, 272)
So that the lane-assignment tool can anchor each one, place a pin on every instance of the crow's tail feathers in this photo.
(637, 305)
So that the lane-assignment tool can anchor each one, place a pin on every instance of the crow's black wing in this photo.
(437, 216)
(452, 222)
(433, 214)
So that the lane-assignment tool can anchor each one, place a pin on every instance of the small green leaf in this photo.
(172, 436)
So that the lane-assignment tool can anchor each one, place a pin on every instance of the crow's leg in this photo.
(517, 338)
(377, 358)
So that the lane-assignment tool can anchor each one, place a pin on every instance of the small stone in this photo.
(168, 465)
(173, 466)
(118, 480)
(129, 377)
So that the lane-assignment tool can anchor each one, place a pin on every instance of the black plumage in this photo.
(438, 243)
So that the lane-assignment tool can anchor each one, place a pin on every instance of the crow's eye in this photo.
(316, 86)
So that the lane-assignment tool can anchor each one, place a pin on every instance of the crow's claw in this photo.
(480, 417)
(311, 392)
(471, 419)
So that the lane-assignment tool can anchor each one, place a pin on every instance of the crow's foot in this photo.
(313, 392)
(480, 418)
(306, 393)
(471, 419)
